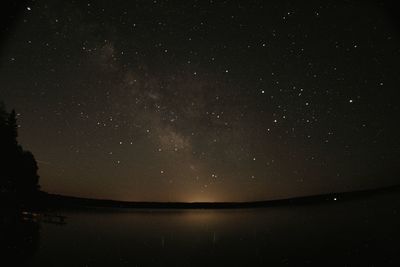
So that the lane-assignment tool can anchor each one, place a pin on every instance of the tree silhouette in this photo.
(19, 180)
(13, 127)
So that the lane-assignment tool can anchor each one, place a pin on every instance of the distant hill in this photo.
(60, 201)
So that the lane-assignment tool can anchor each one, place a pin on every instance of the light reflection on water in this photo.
(354, 233)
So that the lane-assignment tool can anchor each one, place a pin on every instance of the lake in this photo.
(361, 232)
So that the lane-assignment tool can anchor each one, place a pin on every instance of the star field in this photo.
(205, 100)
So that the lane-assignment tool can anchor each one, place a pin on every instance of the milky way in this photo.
(205, 100)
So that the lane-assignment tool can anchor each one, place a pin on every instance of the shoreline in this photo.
(62, 201)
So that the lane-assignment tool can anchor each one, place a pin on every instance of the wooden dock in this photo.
(43, 217)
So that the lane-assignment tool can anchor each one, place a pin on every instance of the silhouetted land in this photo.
(19, 181)
(60, 201)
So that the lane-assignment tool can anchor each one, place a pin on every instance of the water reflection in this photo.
(356, 233)
(19, 238)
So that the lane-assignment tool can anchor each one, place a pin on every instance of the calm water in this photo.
(363, 232)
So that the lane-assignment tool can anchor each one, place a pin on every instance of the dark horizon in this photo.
(62, 201)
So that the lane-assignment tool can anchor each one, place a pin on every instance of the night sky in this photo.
(205, 100)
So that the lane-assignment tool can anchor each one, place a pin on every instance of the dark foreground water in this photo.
(362, 232)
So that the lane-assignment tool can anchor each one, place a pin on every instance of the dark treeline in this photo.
(68, 202)
(19, 181)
